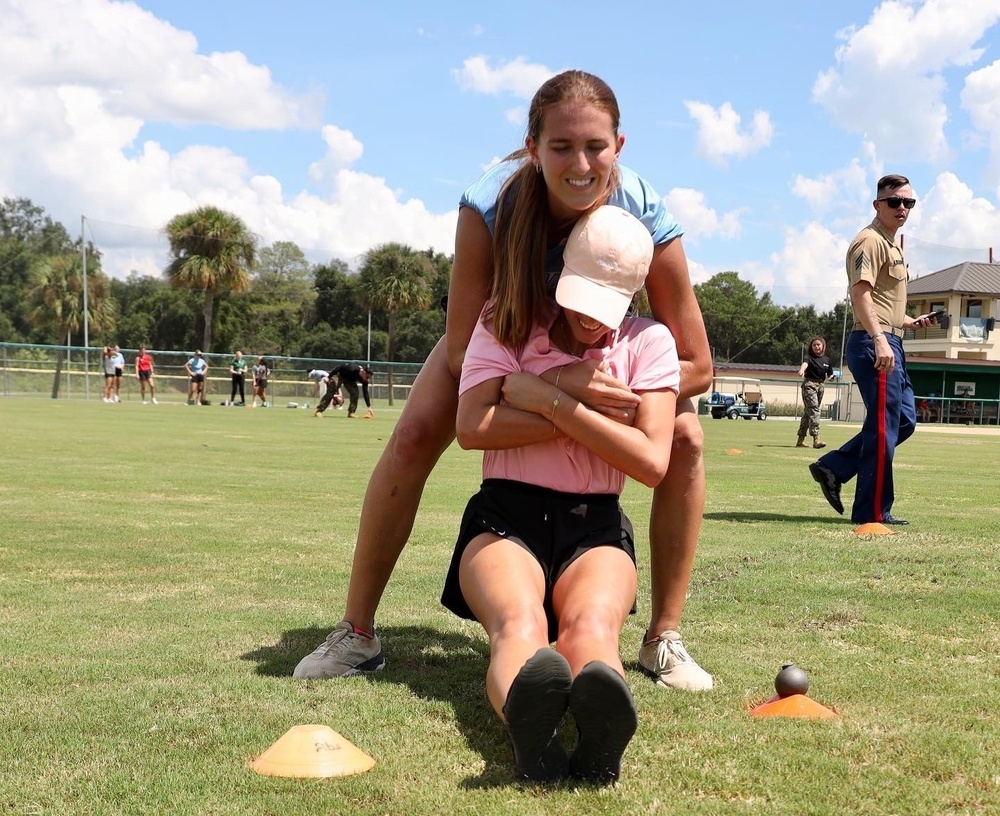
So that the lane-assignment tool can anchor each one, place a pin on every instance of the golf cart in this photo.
(736, 397)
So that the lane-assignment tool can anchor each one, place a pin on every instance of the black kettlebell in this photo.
(791, 680)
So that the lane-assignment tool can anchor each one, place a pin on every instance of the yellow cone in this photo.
(313, 751)
(873, 528)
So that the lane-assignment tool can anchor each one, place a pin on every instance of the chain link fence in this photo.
(76, 373)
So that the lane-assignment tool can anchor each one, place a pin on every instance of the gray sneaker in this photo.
(344, 653)
(665, 657)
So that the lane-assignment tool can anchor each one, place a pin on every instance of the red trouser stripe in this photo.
(881, 441)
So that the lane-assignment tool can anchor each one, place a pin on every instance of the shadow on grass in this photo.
(752, 517)
(448, 667)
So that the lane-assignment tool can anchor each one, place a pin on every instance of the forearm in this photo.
(468, 287)
(501, 427)
(673, 303)
(696, 377)
(638, 454)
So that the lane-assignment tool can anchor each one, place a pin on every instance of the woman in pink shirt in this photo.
(545, 551)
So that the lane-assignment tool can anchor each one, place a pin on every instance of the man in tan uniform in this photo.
(878, 276)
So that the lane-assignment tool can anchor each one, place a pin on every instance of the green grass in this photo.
(163, 568)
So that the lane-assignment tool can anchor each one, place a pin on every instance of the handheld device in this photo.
(939, 313)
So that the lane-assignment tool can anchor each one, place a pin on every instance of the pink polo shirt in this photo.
(642, 354)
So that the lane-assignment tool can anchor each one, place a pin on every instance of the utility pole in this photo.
(86, 310)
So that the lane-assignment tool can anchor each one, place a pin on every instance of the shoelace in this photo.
(674, 649)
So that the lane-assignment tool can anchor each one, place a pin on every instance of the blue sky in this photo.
(341, 125)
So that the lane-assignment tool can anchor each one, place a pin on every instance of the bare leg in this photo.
(674, 524)
(675, 521)
(592, 599)
(424, 431)
(504, 587)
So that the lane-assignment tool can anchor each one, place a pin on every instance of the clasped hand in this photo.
(587, 381)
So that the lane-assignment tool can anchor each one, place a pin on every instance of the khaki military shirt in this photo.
(876, 258)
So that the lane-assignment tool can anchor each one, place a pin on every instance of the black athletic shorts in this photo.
(557, 528)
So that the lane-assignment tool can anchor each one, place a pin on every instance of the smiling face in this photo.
(576, 150)
(585, 329)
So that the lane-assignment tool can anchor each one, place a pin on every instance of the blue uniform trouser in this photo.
(890, 419)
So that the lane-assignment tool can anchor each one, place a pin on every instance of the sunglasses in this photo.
(895, 201)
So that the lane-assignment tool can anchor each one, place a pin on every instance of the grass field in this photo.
(164, 568)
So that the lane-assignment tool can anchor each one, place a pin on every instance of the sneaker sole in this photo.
(605, 715)
(310, 671)
(376, 664)
(536, 703)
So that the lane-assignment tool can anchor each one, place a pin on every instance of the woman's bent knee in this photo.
(689, 438)
(422, 436)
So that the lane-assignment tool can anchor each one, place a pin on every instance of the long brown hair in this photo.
(520, 236)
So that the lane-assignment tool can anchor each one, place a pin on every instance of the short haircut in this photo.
(891, 182)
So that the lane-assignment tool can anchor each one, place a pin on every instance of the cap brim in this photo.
(588, 298)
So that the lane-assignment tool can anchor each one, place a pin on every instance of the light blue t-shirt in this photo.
(198, 365)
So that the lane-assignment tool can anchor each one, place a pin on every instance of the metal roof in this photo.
(967, 278)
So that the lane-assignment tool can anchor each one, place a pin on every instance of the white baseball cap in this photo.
(605, 263)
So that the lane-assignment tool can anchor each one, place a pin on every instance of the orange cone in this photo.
(795, 705)
(873, 528)
(312, 751)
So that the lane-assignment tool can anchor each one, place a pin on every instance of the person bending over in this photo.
(347, 376)
(511, 226)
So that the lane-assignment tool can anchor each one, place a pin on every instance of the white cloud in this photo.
(517, 77)
(343, 151)
(981, 98)
(808, 269)
(950, 224)
(888, 82)
(141, 66)
(74, 100)
(697, 218)
(829, 191)
(720, 135)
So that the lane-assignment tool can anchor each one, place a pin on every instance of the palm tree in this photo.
(394, 277)
(55, 301)
(211, 250)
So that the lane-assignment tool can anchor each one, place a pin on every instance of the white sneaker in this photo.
(115, 398)
(344, 653)
(154, 401)
(144, 402)
(105, 399)
(666, 659)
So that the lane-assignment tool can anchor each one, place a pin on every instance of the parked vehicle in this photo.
(735, 397)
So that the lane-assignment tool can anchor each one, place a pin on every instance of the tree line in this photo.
(222, 290)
